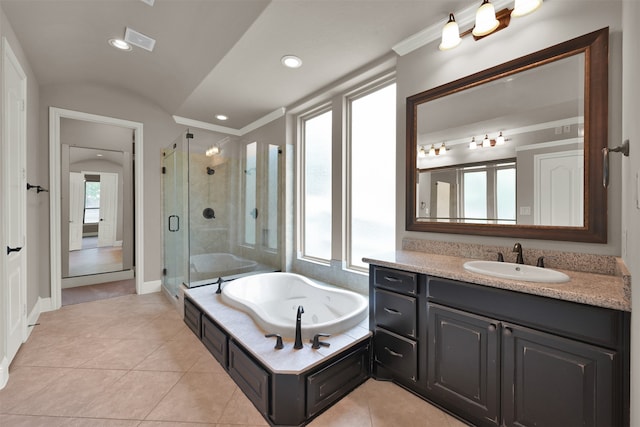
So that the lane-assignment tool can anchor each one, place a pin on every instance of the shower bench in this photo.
(288, 387)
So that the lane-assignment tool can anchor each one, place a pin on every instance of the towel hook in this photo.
(624, 149)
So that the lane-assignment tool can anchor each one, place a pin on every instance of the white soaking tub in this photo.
(272, 300)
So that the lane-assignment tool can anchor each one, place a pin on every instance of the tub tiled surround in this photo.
(601, 280)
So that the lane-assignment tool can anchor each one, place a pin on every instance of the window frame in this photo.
(301, 179)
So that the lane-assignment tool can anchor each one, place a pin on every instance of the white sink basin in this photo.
(507, 270)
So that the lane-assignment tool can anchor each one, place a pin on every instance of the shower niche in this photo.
(221, 209)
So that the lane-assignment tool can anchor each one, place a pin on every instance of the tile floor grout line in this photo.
(163, 396)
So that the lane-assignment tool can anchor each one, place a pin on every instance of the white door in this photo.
(559, 188)
(76, 210)
(14, 282)
(108, 209)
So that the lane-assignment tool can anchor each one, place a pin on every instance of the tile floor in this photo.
(131, 361)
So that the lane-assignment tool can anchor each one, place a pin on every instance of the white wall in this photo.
(553, 23)
(630, 170)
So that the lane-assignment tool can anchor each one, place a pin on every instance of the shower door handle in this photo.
(177, 220)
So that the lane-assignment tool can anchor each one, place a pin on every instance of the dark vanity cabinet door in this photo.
(215, 340)
(464, 364)
(554, 381)
(193, 317)
(252, 379)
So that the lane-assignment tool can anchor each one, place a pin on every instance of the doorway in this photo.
(61, 145)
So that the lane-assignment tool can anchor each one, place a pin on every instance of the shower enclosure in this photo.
(221, 209)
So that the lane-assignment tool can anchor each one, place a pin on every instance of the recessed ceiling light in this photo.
(221, 117)
(99, 155)
(291, 61)
(120, 44)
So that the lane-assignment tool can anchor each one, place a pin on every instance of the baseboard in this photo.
(150, 287)
(117, 244)
(4, 372)
(42, 305)
(94, 279)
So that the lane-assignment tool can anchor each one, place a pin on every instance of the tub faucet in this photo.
(518, 248)
(298, 344)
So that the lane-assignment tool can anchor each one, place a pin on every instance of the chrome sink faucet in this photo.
(298, 344)
(518, 248)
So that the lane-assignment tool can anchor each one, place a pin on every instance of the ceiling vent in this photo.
(138, 39)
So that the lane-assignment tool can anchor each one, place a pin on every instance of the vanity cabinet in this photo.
(498, 357)
(290, 398)
(399, 332)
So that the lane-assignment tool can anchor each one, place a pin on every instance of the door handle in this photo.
(16, 249)
(177, 218)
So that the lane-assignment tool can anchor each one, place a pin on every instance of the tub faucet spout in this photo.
(298, 344)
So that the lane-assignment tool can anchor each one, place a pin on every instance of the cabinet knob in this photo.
(492, 328)
(508, 331)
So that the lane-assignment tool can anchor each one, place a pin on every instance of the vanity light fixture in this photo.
(488, 142)
(450, 34)
(291, 61)
(120, 44)
(525, 7)
(422, 152)
(442, 150)
(487, 21)
(432, 150)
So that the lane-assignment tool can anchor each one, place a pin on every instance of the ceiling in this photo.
(215, 56)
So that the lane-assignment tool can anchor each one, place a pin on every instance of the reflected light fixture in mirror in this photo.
(487, 22)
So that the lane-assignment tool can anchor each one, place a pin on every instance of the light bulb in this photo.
(500, 139)
(432, 151)
(472, 144)
(443, 150)
(422, 152)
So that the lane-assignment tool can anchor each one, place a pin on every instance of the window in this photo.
(250, 209)
(271, 231)
(316, 186)
(489, 191)
(91, 202)
(372, 174)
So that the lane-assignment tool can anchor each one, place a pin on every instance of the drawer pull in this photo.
(392, 311)
(392, 279)
(393, 353)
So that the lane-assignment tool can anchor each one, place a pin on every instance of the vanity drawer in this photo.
(215, 340)
(395, 280)
(193, 317)
(396, 312)
(397, 354)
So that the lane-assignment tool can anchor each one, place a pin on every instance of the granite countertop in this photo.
(609, 291)
(243, 329)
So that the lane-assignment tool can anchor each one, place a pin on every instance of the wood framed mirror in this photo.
(538, 124)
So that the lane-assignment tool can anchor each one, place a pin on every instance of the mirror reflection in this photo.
(507, 152)
(516, 149)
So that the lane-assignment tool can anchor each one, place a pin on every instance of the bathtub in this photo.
(272, 300)
(214, 265)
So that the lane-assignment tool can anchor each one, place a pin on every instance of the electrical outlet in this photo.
(566, 128)
(558, 130)
(525, 210)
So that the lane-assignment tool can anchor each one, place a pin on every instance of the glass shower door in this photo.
(174, 219)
